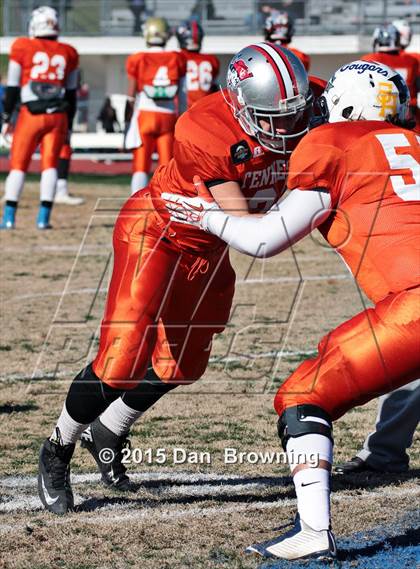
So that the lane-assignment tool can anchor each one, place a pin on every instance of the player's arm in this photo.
(70, 95)
(12, 92)
(285, 223)
(228, 196)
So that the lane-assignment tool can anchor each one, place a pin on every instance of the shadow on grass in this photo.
(8, 408)
(411, 537)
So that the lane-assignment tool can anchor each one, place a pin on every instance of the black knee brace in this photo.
(291, 423)
(149, 390)
(89, 396)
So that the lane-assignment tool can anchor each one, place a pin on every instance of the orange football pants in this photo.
(65, 152)
(30, 131)
(157, 134)
(164, 305)
(373, 353)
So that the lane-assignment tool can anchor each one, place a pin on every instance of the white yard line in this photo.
(341, 276)
(129, 512)
(213, 360)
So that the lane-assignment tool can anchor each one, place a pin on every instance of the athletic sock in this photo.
(62, 187)
(48, 184)
(312, 484)
(139, 181)
(125, 411)
(69, 429)
(119, 417)
(14, 185)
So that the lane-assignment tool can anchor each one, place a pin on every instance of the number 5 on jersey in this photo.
(407, 191)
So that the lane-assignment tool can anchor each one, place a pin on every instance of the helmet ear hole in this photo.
(346, 113)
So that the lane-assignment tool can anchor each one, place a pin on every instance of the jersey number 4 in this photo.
(48, 68)
(390, 142)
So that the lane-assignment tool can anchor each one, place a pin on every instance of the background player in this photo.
(202, 69)
(156, 79)
(357, 180)
(172, 286)
(43, 71)
(279, 29)
(388, 50)
(62, 194)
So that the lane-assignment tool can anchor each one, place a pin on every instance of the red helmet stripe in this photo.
(275, 67)
(289, 67)
(194, 29)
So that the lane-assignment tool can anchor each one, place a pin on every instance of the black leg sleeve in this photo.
(89, 396)
(147, 392)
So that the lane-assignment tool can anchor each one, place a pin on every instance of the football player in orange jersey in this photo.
(172, 285)
(356, 178)
(279, 29)
(388, 50)
(406, 35)
(156, 79)
(202, 69)
(43, 71)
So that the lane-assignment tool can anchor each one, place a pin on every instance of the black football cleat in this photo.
(54, 487)
(107, 450)
(357, 464)
(353, 466)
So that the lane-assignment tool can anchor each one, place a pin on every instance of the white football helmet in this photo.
(44, 23)
(365, 90)
(269, 94)
(405, 32)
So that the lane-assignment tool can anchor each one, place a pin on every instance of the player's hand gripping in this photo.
(6, 135)
(191, 211)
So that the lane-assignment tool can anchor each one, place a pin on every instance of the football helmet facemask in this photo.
(190, 35)
(43, 23)
(365, 90)
(269, 94)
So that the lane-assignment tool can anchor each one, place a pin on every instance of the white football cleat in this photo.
(301, 542)
(67, 199)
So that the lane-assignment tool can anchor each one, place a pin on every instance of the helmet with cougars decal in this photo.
(43, 23)
(190, 35)
(279, 28)
(365, 90)
(269, 93)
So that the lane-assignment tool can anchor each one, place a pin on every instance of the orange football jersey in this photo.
(372, 171)
(156, 68)
(304, 58)
(317, 85)
(44, 60)
(404, 63)
(210, 143)
(202, 70)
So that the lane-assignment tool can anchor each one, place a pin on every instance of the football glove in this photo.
(6, 135)
(191, 210)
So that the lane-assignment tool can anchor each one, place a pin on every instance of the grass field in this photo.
(183, 515)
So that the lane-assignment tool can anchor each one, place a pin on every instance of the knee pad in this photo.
(301, 420)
